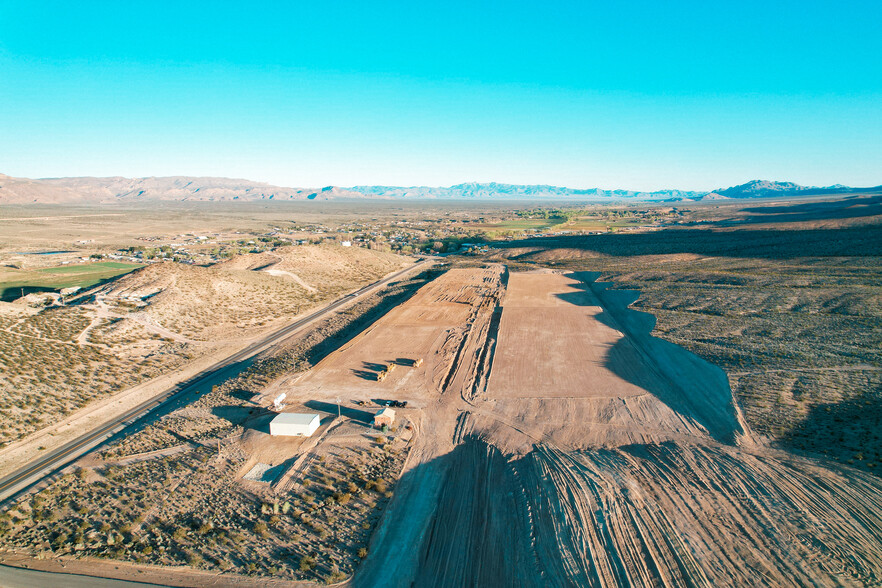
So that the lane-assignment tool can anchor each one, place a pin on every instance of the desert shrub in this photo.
(193, 559)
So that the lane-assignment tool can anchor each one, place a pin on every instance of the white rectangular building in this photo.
(293, 424)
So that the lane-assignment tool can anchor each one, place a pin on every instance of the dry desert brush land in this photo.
(56, 359)
(163, 494)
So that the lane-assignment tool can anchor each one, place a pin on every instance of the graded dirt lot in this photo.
(430, 326)
(648, 477)
(562, 355)
(785, 297)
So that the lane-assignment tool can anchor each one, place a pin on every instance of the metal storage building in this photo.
(385, 417)
(293, 424)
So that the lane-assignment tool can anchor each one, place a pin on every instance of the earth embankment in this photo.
(666, 514)
(585, 452)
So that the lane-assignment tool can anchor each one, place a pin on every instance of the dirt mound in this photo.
(218, 301)
(250, 261)
(147, 281)
(569, 447)
(317, 263)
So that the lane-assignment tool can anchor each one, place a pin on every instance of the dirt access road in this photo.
(566, 446)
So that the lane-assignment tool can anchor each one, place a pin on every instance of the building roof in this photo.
(294, 418)
(386, 412)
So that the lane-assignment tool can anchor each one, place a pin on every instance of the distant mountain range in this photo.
(753, 189)
(517, 191)
(88, 190)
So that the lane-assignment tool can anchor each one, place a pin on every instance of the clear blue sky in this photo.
(640, 95)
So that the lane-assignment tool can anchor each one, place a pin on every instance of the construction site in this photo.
(495, 428)
(558, 443)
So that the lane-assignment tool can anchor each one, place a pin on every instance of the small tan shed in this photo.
(385, 417)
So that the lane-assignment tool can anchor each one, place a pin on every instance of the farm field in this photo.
(15, 281)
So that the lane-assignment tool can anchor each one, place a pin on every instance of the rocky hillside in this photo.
(243, 295)
(767, 189)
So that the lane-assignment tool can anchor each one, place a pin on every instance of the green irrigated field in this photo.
(520, 224)
(14, 282)
(516, 226)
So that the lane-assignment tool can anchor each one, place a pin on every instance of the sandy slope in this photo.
(235, 297)
(649, 515)
(569, 447)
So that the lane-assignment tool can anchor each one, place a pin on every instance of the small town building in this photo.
(293, 424)
(346, 243)
(385, 417)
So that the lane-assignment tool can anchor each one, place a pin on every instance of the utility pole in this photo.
(338, 407)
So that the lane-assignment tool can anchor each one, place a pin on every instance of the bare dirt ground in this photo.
(640, 472)
(552, 441)
(430, 326)
(785, 297)
(561, 354)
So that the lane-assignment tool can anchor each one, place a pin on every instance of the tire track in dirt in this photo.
(517, 500)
